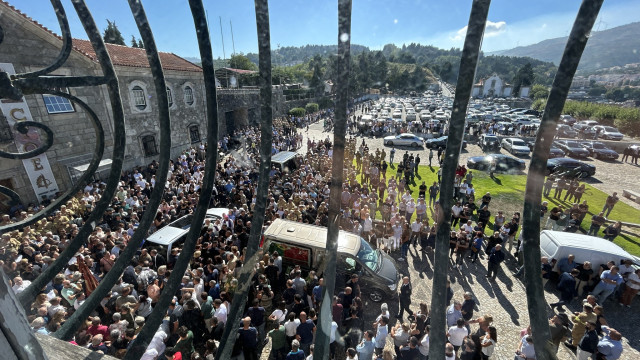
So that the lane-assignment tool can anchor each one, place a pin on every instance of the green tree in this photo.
(596, 90)
(615, 95)
(134, 42)
(539, 92)
(524, 77)
(311, 108)
(315, 82)
(140, 44)
(241, 62)
(112, 35)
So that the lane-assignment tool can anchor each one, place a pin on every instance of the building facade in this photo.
(495, 87)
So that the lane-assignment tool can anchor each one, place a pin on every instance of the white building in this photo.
(494, 86)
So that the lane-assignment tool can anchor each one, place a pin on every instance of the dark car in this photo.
(565, 131)
(554, 152)
(504, 163)
(441, 142)
(585, 130)
(532, 112)
(570, 168)
(598, 150)
(572, 148)
(489, 142)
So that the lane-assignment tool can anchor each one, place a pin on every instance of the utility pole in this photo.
(233, 43)
(224, 56)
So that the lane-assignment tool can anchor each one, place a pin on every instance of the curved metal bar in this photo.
(98, 152)
(23, 128)
(155, 319)
(468, 62)
(71, 325)
(66, 43)
(15, 198)
(266, 136)
(117, 159)
(337, 177)
(576, 43)
(33, 85)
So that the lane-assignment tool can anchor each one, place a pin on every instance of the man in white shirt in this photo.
(456, 334)
(221, 311)
(416, 226)
(411, 208)
(20, 285)
(468, 227)
(455, 213)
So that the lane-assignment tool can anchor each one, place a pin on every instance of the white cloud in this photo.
(490, 30)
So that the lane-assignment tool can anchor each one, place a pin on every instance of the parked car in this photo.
(515, 146)
(608, 132)
(565, 131)
(489, 142)
(567, 120)
(441, 142)
(532, 112)
(554, 152)
(406, 139)
(572, 148)
(598, 150)
(397, 114)
(570, 168)
(504, 163)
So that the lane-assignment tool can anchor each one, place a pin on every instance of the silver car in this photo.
(406, 139)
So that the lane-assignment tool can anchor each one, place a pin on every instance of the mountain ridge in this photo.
(617, 46)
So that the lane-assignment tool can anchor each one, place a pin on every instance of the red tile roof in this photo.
(120, 55)
(135, 57)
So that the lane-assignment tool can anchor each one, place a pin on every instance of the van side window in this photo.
(351, 264)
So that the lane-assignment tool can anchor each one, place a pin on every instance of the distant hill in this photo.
(293, 55)
(613, 47)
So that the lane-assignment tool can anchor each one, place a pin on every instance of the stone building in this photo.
(494, 86)
(28, 46)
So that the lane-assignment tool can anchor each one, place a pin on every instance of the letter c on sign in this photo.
(17, 110)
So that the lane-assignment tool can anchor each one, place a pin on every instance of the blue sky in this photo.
(374, 22)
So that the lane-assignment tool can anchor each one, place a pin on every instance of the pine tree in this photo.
(112, 35)
(140, 44)
(134, 43)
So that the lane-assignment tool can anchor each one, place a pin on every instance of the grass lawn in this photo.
(507, 193)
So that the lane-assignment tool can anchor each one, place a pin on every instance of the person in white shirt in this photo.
(468, 227)
(397, 235)
(20, 285)
(411, 208)
(221, 311)
(632, 288)
(424, 343)
(416, 226)
(381, 335)
(456, 334)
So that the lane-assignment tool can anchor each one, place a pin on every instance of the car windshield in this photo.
(598, 146)
(610, 129)
(573, 144)
(519, 143)
(370, 257)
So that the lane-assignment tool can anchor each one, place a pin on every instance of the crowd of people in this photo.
(283, 302)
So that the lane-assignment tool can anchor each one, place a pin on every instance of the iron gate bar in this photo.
(48, 274)
(468, 62)
(252, 254)
(93, 165)
(576, 43)
(28, 85)
(23, 128)
(72, 324)
(337, 169)
(67, 44)
(15, 327)
(155, 319)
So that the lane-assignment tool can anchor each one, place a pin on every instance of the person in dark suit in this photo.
(157, 260)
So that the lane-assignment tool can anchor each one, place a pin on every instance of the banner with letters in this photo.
(37, 168)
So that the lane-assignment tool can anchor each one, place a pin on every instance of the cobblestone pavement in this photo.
(505, 298)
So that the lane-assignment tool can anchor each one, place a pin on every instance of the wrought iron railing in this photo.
(25, 346)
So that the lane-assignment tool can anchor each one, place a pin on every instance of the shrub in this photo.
(298, 112)
(311, 107)
(325, 102)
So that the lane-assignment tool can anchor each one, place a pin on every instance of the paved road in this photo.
(505, 299)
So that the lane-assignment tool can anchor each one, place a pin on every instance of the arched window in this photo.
(188, 95)
(170, 96)
(139, 98)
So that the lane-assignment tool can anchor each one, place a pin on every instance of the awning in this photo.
(103, 165)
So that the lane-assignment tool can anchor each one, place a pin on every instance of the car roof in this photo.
(586, 242)
(283, 156)
(310, 235)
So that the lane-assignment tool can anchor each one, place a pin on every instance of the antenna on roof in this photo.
(232, 42)
(224, 56)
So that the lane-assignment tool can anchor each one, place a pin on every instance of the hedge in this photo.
(311, 107)
(627, 120)
(298, 112)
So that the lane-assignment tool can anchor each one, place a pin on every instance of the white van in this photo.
(304, 245)
(177, 230)
(558, 245)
